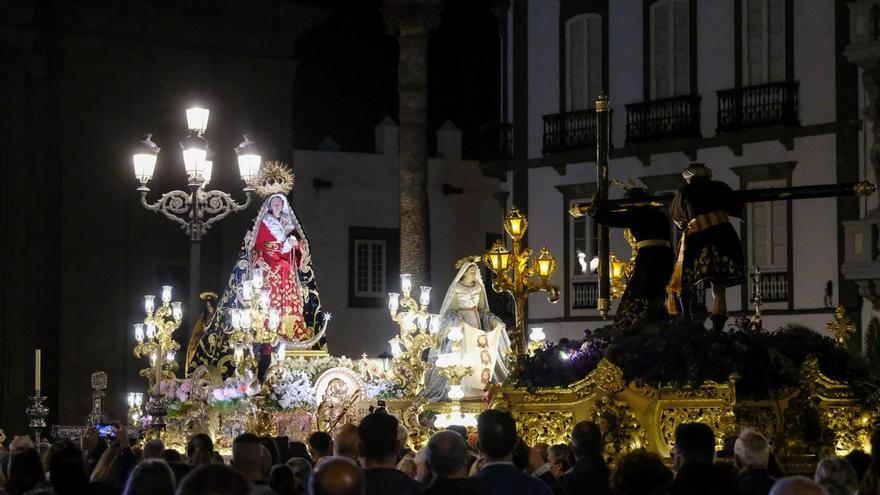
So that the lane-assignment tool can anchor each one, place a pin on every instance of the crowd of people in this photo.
(372, 458)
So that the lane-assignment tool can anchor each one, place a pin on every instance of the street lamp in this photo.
(195, 209)
(518, 277)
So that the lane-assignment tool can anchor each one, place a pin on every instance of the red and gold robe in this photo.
(281, 264)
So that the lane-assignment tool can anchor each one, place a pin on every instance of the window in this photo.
(763, 41)
(369, 268)
(584, 246)
(768, 243)
(670, 48)
(583, 67)
(374, 259)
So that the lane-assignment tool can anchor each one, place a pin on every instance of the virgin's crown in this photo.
(274, 178)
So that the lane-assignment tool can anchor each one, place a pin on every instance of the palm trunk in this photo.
(411, 20)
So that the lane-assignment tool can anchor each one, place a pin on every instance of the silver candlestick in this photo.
(37, 414)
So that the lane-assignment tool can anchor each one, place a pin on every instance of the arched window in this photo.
(583, 64)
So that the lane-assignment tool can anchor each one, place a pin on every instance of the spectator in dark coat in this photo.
(378, 447)
(447, 457)
(498, 475)
(589, 474)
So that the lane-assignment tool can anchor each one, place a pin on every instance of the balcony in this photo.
(675, 117)
(569, 131)
(584, 295)
(774, 287)
(496, 142)
(757, 106)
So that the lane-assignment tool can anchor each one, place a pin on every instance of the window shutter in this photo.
(754, 41)
(660, 49)
(681, 48)
(594, 59)
(577, 63)
(776, 39)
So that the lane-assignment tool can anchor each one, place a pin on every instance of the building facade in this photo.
(759, 90)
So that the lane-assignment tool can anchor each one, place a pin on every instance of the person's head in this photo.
(461, 430)
(860, 462)
(696, 170)
(560, 458)
(402, 436)
(521, 455)
(539, 454)
(281, 480)
(276, 205)
(25, 471)
(751, 450)
(171, 455)
(496, 430)
(153, 449)
(214, 479)
(377, 439)
(248, 457)
(321, 445)
(694, 442)
(446, 455)
(586, 440)
(199, 449)
(274, 456)
(470, 274)
(108, 470)
(640, 472)
(151, 477)
(336, 476)
(836, 476)
(301, 470)
(796, 485)
(297, 449)
(345, 443)
(66, 464)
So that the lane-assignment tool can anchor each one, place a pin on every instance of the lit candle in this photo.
(37, 356)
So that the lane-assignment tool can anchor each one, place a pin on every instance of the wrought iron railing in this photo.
(584, 295)
(774, 287)
(755, 106)
(678, 116)
(569, 131)
(496, 142)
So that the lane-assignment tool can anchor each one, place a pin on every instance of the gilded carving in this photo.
(548, 426)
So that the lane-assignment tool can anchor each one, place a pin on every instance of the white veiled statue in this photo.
(485, 345)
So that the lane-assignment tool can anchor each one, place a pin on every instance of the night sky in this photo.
(347, 77)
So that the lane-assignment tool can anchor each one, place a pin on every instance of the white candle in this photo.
(37, 371)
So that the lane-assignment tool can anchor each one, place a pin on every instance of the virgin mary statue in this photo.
(273, 265)
(484, 345)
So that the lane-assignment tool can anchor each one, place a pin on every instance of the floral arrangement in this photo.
(383, 388)
(683, 353)
(228, 396)
(293, 391)
(315, 366)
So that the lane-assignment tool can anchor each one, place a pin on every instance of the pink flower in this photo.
(186, 386)
(242, 388)
(230, 393)
(181, 395)
(218, 394)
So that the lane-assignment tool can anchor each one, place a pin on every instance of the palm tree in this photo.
(410, 21)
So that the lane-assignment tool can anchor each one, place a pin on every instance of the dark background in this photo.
(79, 80)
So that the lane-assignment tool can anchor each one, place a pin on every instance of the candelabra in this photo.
(155, 338)
(99, 384)
(418, 332)
(516, 275)
(195, 209)
(255, 323)
(536, 339)
(37, 413)
(135, 400)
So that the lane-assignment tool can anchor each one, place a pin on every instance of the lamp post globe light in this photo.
(196, 208)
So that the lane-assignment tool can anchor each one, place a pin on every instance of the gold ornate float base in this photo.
(820, 418)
